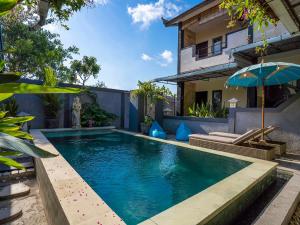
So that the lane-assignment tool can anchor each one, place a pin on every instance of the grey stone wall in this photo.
(111, 100)
(197, 125)
(286, 117)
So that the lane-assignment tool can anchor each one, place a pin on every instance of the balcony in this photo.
(196, 56)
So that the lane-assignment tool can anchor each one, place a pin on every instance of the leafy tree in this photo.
(100, 84)
(256, 12)
(84, 69)
(30, 51)
(151, 92)
(61, 10)
(13, 141)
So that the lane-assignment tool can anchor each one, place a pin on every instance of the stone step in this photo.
(13, 190)
(9, 213)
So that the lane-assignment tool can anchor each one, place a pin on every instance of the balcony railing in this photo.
(199, 56)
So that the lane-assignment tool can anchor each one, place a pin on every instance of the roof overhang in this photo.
(288, 12)
(222, 70)
(201, 7)
(282, 43)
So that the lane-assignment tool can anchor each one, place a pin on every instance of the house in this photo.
(209, 52)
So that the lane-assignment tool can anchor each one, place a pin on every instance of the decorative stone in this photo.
(14, 190)
(9, 213)
(76, 113)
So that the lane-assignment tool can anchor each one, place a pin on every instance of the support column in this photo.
(232, 120)
(180, 99)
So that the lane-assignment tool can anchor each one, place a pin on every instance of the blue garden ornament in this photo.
(183, 132)
(157, 131)
(265, 74)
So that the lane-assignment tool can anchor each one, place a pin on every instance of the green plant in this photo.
(13, 141)
(206, 111)
(52, 104)
(222, 112)
(93, 112)
(10, 106)
(151, 92)
(83, 69)
(256, 12)
(11, 135)
(148, 120)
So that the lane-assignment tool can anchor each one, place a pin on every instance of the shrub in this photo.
(91, 112)
(206, 111)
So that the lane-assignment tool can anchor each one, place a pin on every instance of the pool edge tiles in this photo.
(67, 198)
(254, 173)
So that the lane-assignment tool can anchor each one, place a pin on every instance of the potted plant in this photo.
(145, 126)
(52, 105)
(151, 93)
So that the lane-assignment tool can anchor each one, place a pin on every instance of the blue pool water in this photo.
(139, 178)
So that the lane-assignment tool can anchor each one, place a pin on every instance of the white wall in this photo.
(188, 62)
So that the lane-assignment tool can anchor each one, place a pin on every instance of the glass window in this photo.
(217, 46)
(202, 49)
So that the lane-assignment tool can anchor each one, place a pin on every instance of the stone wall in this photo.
(111, 100)
(197, 125)
(286, 117)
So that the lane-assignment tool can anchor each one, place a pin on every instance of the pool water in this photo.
(137, 177)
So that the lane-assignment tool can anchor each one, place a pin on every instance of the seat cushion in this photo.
(212, 138)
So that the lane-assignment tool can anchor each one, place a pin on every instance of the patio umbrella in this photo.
(265, 74)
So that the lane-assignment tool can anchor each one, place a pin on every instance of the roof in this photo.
(205, 73)
(283, 43)
(204, 5)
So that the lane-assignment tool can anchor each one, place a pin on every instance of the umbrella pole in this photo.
(263, 113)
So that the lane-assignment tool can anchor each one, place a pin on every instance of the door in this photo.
(202, 50)
(217, 100)
(201, 98)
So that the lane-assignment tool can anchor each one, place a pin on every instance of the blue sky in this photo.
(127, 38)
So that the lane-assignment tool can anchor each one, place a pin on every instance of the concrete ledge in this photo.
(219, 203)
(282, 208)
(67, 198)
(193, 118)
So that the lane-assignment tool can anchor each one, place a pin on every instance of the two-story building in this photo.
(209, 52)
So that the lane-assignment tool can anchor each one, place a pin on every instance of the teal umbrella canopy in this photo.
(265, 74)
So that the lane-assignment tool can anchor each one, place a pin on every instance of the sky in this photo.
(128, 39)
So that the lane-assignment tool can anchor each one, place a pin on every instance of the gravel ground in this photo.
(31, 205)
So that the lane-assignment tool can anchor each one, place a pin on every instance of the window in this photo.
(217, 100)
(202, 49)
(217, 46)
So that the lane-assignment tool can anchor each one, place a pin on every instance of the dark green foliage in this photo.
(206, 111)
(99, 117)
(83, 69)
(10, 106)
(30, 51)
(52, 104)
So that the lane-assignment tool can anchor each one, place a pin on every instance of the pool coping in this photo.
(65, 184)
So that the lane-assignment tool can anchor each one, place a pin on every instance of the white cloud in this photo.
(167, 56)
(146, 57)
(145, 14)
(52, 27)
(101, 2)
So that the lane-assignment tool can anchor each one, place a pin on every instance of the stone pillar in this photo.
(159, 113)
(232, 120)
(136, 113)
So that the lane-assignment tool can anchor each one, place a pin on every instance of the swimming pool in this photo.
(137, 177)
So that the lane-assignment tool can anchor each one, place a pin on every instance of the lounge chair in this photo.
(280, 147)
(267, 130)
(239, 145)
